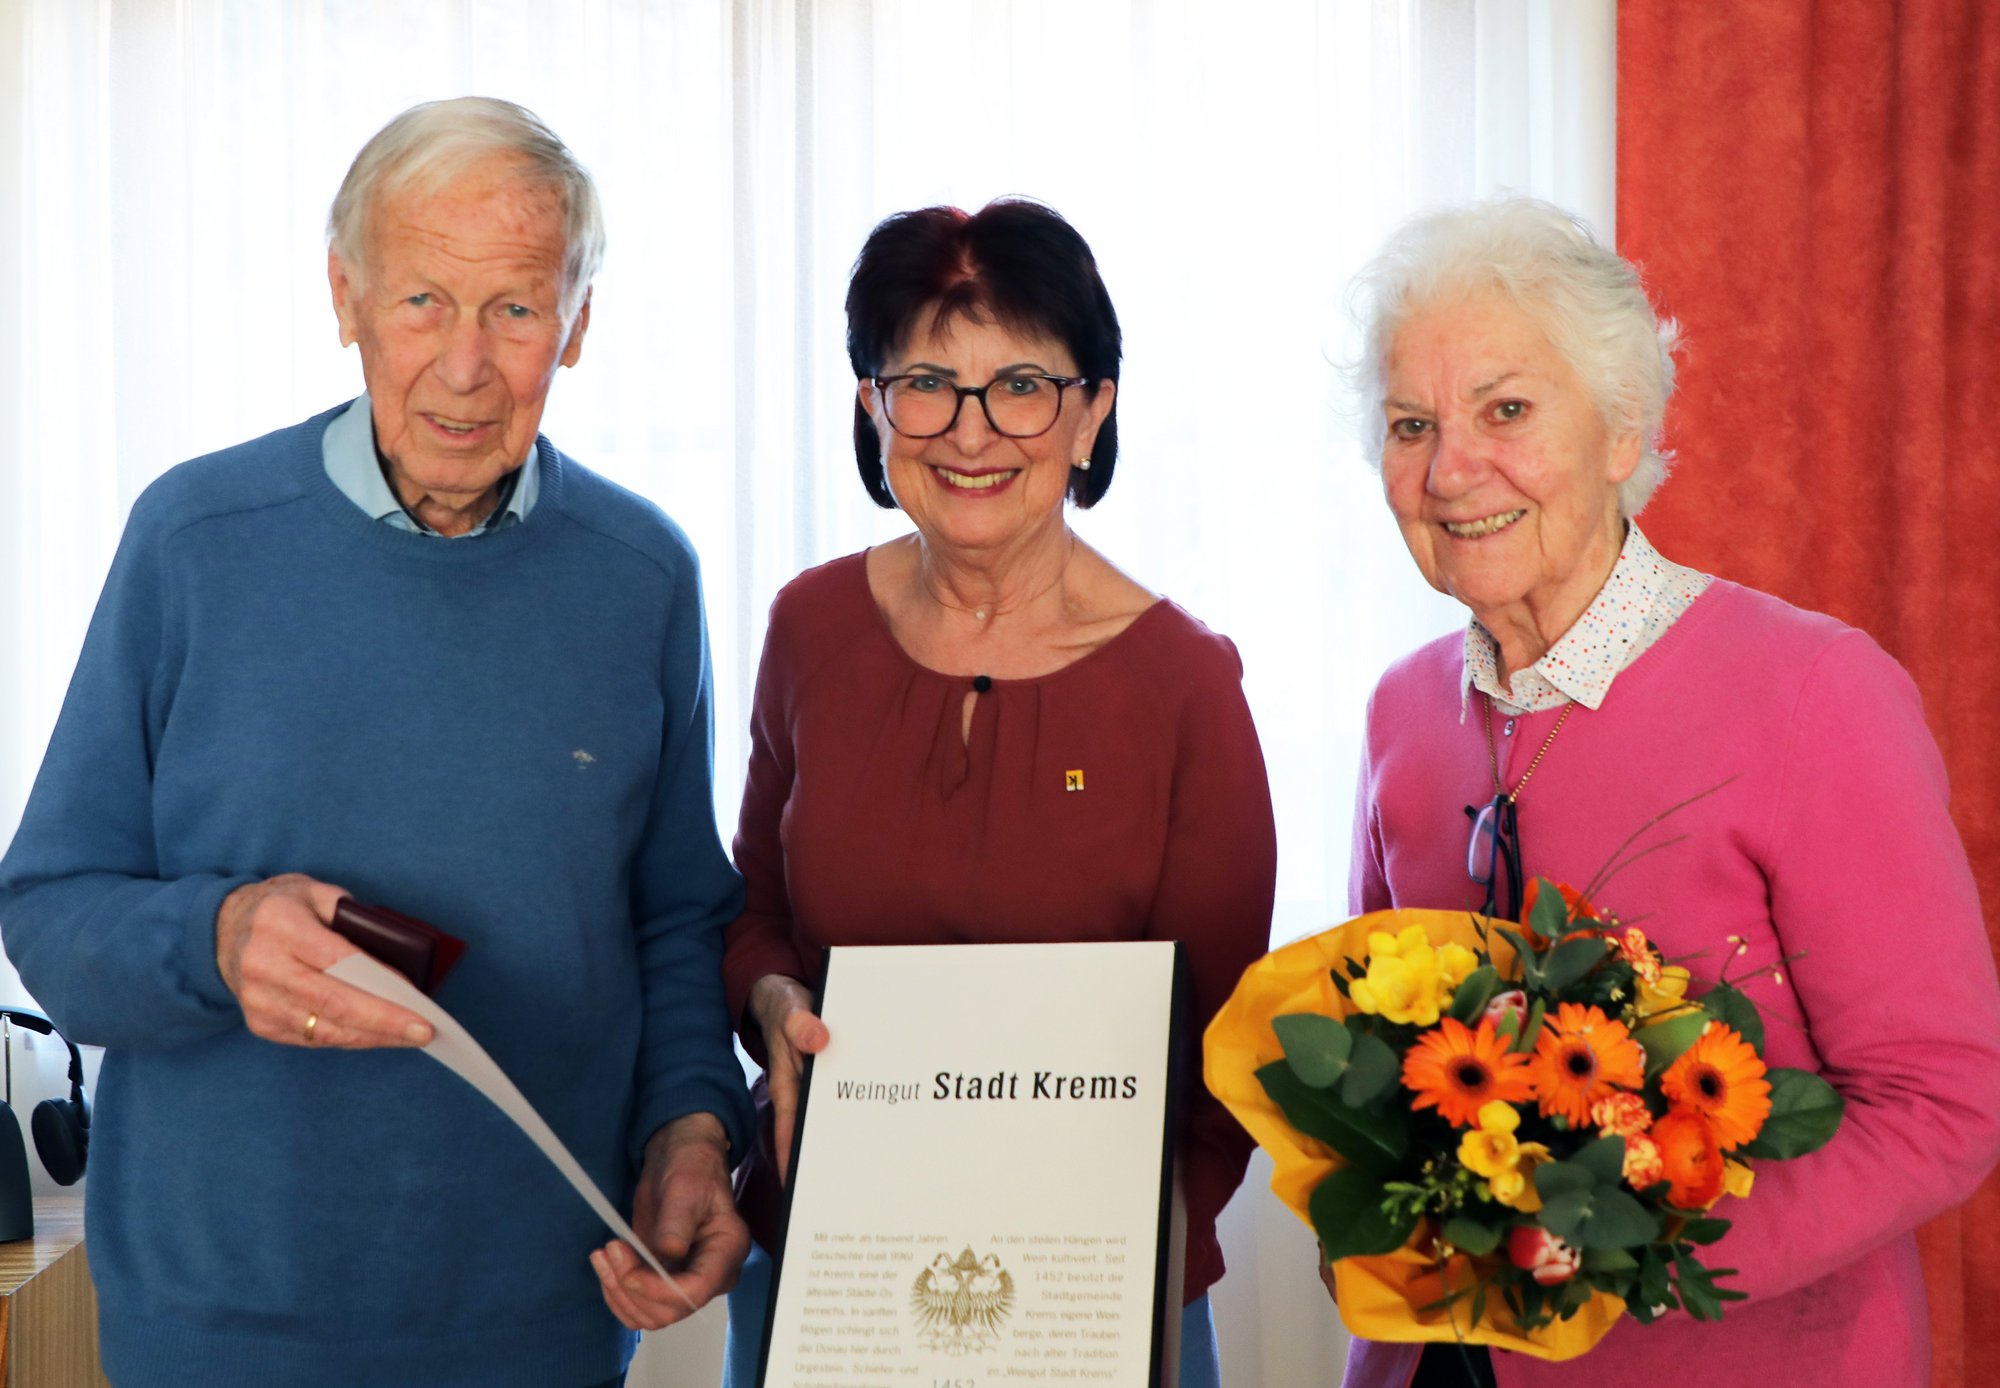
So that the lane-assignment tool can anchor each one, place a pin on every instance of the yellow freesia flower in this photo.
(1409, 980)
(1737, 1179)
(1490, 1150)
(1523, 1197)
(1665, 995)
(1403, 982)
(1454, 963)
(1508, 1186)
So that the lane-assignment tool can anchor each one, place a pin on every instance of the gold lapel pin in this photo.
(1072, 780)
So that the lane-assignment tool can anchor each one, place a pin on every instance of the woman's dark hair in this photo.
(1013, 262)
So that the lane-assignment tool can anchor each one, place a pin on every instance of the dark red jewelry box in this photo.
(416, 949)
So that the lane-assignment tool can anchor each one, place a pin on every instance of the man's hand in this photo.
(273, 948)
(684, 1212)
(782, 1008)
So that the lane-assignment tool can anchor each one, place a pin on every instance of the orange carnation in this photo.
(1455, 1070)
(1642, 1162)
(1635, 949)
(1583, 1056)
(1621, 1115)
(1689, 1159)
(1721, 1077)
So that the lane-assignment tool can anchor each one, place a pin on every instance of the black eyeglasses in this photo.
(1493, 856)
(924, 405)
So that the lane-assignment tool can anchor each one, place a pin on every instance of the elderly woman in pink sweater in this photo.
(1522, 378)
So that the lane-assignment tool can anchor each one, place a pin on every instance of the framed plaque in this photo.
(982, 1188)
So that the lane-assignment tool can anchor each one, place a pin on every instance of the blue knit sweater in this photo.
(508, 736)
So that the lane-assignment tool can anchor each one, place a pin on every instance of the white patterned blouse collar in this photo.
(1644, 596)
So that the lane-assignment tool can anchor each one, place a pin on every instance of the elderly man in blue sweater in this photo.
(410, 651)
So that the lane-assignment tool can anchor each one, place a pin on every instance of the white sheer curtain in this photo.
(165, 167)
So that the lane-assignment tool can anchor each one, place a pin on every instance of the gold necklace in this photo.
(1493, 756)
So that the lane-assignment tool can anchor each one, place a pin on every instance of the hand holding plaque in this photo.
(783, 1010)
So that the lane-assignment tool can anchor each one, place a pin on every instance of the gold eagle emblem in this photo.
(960, 1304)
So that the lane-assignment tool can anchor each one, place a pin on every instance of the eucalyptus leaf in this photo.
(1666, 1040)
(1530, 961)
(1616, 1220)
(1561, 1177)
(1374, 1141)
(1347, 1214)
(1729, 1007)
(1571, 960)
(1604, 1159)
(1704, 1229)
(1550, 918)
(1316, 1047)
(1372, 1071)
(1472, 995)
(1469, 1235)
(1805, 1111)
(1608, 1260)
(1562, 1215)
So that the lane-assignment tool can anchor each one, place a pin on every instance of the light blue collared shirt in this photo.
(348, 450)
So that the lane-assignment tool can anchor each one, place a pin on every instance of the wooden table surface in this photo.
(48, 1310)
(58, 1229)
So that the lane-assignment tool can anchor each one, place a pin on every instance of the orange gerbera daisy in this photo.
(1721, 1078)
(1689, 1159)
(1583, 1056)
(1455, 1069)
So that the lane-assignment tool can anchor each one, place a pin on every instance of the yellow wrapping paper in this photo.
(1378, 1296)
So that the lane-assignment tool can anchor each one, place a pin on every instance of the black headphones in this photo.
(61, 1126)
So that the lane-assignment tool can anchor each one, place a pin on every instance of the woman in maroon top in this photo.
(923, 709)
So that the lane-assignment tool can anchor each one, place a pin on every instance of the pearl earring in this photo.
(1083, 464)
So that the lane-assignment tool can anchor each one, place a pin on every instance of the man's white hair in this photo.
(429, 145)
(1588, 300)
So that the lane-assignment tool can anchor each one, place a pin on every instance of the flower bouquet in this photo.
(1507, 1133)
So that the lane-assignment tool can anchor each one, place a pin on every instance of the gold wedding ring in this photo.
(312, 1022)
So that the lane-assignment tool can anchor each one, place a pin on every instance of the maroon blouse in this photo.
(869, 819)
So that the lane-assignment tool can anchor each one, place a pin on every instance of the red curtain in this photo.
(1813, 188)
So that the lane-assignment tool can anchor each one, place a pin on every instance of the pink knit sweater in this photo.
(1833, 842)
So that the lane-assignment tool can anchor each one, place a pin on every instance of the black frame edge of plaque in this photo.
(792, 1167)
(1169, 1154)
